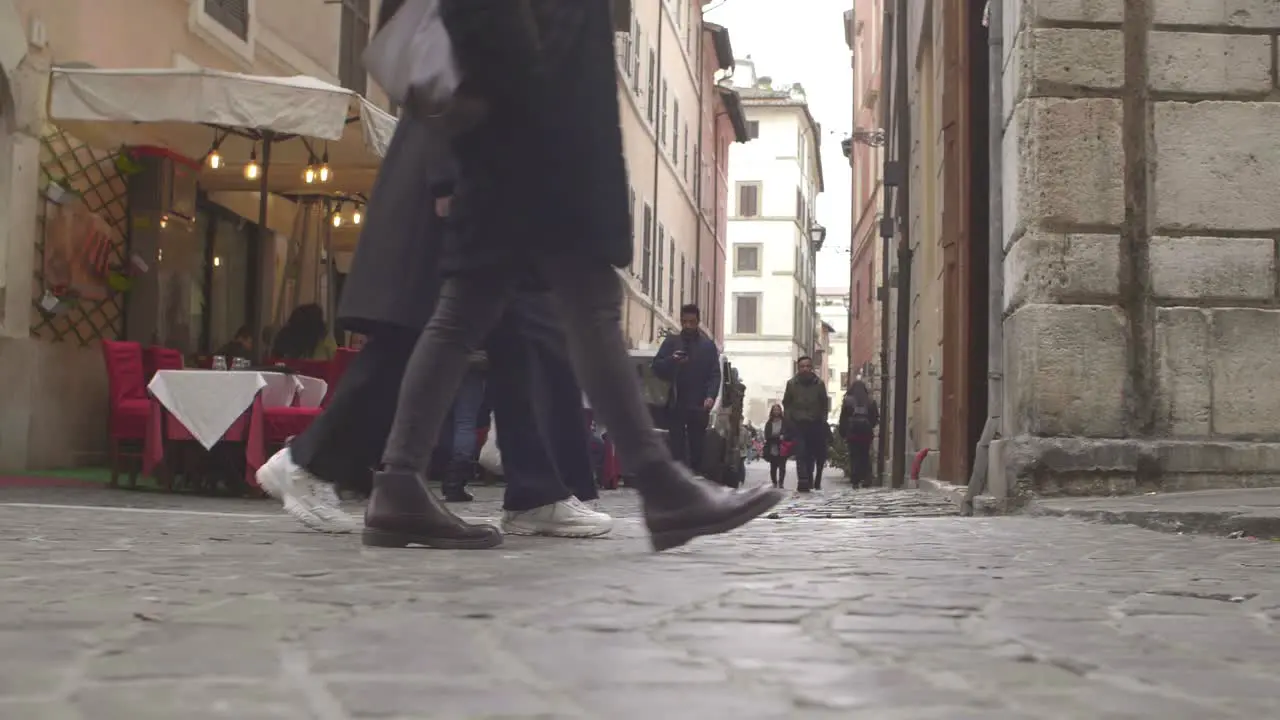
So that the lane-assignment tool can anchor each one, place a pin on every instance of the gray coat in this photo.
(395, 275)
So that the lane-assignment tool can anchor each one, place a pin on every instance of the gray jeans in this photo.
(588, 296)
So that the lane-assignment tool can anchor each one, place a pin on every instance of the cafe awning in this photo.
(195, 111)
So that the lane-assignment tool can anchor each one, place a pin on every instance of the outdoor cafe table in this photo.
(210, 406)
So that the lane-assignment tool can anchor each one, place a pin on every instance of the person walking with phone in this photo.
(690, 362)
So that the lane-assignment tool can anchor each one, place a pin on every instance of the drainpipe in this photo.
(903, 203)
(657, 170)
(886, 234)
(995, 261)
(697, 180)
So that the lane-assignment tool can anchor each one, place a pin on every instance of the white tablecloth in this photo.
(207, 402)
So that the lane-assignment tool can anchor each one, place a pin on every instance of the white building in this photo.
(773, 239)
(833, 309)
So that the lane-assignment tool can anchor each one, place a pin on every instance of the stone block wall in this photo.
(1141, 167)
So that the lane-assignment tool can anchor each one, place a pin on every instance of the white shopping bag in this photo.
(412, 59)
(490, 459)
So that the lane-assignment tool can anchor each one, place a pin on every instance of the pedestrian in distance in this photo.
(859, 418)
(690, 362)
(777, 446)
(807, 406)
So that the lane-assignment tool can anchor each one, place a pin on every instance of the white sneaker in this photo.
(568, 518)
(310, 501)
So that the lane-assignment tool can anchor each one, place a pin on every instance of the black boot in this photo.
(679, 507)
(454, 487)
(817, 477)
(403, 512)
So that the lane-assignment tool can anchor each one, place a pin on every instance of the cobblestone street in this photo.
(198, 608)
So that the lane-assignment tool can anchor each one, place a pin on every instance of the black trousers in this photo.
(344, 444)
(810, 450)
(688, 428)
(860, 462)
(778, 470)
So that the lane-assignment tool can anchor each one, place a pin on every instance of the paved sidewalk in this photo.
(198, 609)
(1235, 513)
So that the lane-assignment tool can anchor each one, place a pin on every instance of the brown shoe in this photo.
(679, 507)
(403, 512)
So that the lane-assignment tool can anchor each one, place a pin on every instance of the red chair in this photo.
(129, 406)
(160, 358)
(337, 368)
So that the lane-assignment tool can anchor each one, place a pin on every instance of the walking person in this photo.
(690, 361)
(541, 199)
(859, 418)
(777, 446)
(467, 405)
(807, 405)
(388, 297)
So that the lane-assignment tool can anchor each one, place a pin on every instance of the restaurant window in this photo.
(352, 43)
(225, 291)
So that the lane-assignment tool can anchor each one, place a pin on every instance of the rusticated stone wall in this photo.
(1141, 173)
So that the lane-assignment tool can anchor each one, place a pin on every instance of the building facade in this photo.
(1103, 271)
(676, 149)
(773, 239)
(866, 268)
(833, 311)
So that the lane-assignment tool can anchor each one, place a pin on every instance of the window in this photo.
(746, 259)
(675, 133)
(844, 379)
(749, 199)
(800, 207)
(753, 129)
(857, 299)
(662, 120)
(646, 255)
(686, 153)
(657, 279)
(746, 314)
(631, 208)
(637, 33)
(230, 14)
(353, 40)
(651, 107)
(684, 298)
(671, 279)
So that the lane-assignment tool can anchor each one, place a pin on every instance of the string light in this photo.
(215, 159)
(337, 216)
(309, 175)
(217, 261)
(325, 173)
(356, 216)
(164, 221)
(252, 169)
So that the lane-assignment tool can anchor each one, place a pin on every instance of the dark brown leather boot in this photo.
(403, 512)
(679, 507)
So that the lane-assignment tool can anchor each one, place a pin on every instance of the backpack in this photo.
(859, 418)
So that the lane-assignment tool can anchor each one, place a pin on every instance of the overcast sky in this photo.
(803, 41)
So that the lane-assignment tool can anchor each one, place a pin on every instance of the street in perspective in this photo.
(639, 359)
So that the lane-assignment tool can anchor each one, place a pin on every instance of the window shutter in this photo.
(230, 14)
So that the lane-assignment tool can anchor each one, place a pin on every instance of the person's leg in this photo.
(800, 451)
(466, 410)
(862, 455)
(677, 507)
(402, 511)
(820, 454)
(695, 432)
(678, 437)
(343, 444)
(562, 418)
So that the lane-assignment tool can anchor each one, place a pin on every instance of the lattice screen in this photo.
(93, 174)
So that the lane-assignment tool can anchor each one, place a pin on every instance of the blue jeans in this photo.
(466, 410)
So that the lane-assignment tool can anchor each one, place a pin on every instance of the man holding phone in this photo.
(690, 361)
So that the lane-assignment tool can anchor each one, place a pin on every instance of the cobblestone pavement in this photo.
(201, 609)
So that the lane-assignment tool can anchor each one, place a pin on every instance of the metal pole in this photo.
(886, 57)
(903, 202)
(262, 240)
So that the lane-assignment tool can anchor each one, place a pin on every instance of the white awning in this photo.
(180, 109)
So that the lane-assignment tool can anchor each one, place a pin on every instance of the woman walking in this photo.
(776, 446)
(541, 200)
(859, 416)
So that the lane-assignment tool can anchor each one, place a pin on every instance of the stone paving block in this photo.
(424, 697)
(189, 701)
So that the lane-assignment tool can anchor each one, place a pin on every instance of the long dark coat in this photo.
(395, 275)
(543, 174)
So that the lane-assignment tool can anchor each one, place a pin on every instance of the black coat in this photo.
(543, 175)
(395, 275)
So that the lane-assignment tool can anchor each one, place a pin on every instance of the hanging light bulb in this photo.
(215, 159)
(252, 169)
(337, 216)
(356, 216)
(309, 175)
(325, 173)
(164, 221)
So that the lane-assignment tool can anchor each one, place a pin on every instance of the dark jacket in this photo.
(696, 379)
(772, 440)
(543, 175)
(846, 415)
(806, 399)
(395, 275)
